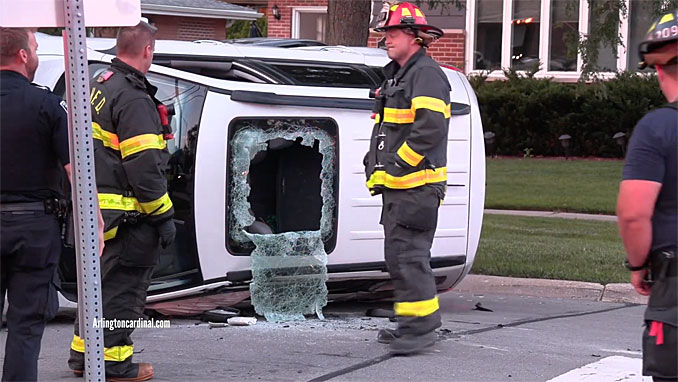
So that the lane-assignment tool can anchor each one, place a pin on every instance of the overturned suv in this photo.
(271, 140)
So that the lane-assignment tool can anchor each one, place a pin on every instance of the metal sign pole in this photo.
(84, 189)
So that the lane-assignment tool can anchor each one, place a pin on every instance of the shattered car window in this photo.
(282, 201)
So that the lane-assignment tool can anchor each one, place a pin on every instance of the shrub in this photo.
(529, 113)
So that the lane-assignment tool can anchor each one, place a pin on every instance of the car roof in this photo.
(213, 50)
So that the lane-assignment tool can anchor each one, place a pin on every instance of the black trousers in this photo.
(30, 250)
(410, 218)
(126, 270)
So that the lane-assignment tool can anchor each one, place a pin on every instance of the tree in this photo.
(348, 22)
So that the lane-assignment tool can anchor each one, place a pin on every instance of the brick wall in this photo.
(447, 50)
(283, 27)
(188, 28)
(178, 28)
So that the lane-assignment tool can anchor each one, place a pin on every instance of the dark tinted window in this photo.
(330, 76)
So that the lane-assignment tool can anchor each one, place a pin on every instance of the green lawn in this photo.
(579, 185)
(550, 248)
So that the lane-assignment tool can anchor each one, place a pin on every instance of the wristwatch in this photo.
(632, 268)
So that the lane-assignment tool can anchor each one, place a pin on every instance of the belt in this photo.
(19, 207)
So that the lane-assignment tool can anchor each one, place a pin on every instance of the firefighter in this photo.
(406, 165)
(647, 208)
(130, 156)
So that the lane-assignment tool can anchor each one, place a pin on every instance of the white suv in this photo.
(219, 90)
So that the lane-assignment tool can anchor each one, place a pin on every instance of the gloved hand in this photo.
(167, 231)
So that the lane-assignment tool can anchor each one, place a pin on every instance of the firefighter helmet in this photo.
(659, 46)
(405, 15)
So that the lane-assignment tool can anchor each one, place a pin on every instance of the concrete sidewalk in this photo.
(553, 214)
(481, 284)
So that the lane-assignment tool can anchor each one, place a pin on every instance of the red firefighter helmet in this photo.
(405, 15)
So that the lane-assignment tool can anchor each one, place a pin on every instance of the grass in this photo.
(550, 248)
(580, 185)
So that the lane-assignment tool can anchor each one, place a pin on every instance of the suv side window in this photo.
(343, 76)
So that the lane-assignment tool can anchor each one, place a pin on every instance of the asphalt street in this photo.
(521, 339)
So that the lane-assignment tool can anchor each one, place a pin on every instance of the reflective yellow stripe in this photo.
(377, 118)
(431, 103)
(410, 156)
(124, 203)
(107, 138)
(398, 115)
(652, 27)
(110, 234)
(415, 179)
(140, 143)
(115, 353)
(118, 202)
(405, 12)
(666, 18)
(417, 308)
(418, 12)
(158, 206)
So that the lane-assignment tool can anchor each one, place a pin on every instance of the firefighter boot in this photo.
(411, 343)
(386, 336)
(144, 373)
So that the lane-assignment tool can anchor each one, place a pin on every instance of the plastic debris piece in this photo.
(481, 308)
(213, 325)
(242, 321)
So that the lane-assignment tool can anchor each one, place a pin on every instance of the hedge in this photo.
(528, 115)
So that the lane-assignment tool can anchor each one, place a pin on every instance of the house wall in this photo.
(179, 28)
(188, 28)
(283, 27)
(448, 50)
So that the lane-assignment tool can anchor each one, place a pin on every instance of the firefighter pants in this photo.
(126, 270)
(409, 218)
(30, 250)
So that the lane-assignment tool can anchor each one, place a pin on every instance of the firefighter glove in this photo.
(167, 231)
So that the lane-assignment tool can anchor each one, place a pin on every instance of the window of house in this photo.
(521, 34)
(487, 49)
(607, 56)
(640, 19)
(564, 31)
(525, 34)
(309, 22)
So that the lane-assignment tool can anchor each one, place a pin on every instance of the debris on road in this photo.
(241, 321)
(481, 308)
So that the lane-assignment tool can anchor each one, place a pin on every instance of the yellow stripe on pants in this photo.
(417, 308)
(115, 353)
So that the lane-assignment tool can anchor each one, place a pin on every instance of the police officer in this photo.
(130, 156)
(33, 156)
(406, 165)
(647, 208)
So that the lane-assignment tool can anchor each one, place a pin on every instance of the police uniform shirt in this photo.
(653, 156)
(33, 140)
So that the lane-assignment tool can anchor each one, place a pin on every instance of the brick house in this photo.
(307, 19)
(487, 35)
(193, 19)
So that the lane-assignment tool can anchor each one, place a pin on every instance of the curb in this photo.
(618, 293)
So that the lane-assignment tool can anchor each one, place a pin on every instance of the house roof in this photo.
(215, 9)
